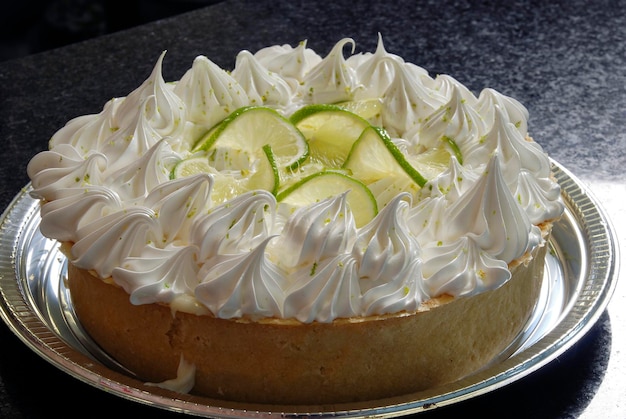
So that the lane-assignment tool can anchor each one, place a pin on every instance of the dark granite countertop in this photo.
(565, 60)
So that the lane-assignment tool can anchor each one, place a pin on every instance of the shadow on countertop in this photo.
(32, 26)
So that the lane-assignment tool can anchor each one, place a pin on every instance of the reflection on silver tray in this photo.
(579, 280)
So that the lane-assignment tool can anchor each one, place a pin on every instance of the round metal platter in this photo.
(580, 276)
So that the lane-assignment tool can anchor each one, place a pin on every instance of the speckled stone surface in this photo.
(565, 60)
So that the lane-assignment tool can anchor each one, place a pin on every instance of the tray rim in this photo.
(22, 319)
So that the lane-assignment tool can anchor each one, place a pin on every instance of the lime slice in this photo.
(230, 182)
(330, 131)
(454, 148)
(386, 189)
(202, 134)
(265, 175)
(431, 162)
(322, 185)
(291, 176)
(368, 109)
(191, 166)
(250, 128)
(225, 186)
(374, 156)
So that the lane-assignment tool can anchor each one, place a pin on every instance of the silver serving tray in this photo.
(580, 276)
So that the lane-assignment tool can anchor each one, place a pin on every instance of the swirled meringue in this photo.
(316, 232)
(258, 81)
(210, 94)
(331, 80)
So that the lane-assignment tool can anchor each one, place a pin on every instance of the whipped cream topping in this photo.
(105, 187)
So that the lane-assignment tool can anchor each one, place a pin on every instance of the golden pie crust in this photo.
(280, 361)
